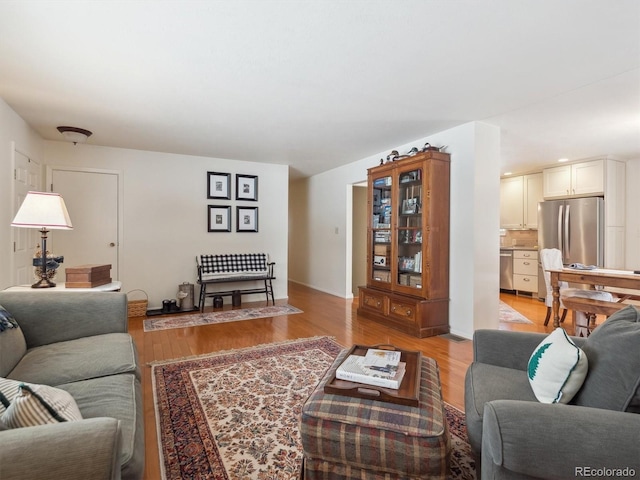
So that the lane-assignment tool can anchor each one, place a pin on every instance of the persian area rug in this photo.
(234, 415)
(208, 318)
(509, 315)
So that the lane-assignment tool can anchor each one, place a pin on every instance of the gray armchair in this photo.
(597, 433)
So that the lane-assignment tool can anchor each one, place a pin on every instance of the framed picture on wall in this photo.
(219, 218)
(246, 219)
(246, 187)
(219, 185)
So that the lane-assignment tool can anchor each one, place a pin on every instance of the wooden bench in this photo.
(590, 307)
(234, 268)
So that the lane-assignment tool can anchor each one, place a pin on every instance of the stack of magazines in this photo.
(582, 266)
(380, 368)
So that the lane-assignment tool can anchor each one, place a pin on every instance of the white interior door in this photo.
(27, 177)
(91, 197)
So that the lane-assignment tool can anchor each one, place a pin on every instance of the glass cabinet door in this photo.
(381, 229)
(409, 233)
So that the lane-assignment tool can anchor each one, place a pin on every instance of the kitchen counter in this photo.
(518, 248)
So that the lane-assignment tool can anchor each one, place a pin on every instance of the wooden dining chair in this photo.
(551, 259)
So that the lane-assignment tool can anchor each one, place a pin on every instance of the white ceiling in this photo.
(317, 84)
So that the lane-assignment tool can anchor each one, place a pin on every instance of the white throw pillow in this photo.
(557, 368)
(39, 405)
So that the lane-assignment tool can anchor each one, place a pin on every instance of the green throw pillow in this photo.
(39, 405)
(557, 368)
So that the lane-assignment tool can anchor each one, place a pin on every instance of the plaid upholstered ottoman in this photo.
(351, 438)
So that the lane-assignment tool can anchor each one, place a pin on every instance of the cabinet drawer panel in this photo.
(375, 302)
(525, 267)
(525, 283)
(526, 254)
(403, 311)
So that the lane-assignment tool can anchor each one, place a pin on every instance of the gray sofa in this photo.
(77, 342)
(597, 433)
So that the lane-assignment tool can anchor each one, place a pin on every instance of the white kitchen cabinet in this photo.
(525, 271)
(532, 196)
(557, 181)
(578, 179)
(511, 202)
(519, 197)
(605, 177)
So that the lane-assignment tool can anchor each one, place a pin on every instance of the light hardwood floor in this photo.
(323, 314)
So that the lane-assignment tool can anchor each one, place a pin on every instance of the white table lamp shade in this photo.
(43, 210)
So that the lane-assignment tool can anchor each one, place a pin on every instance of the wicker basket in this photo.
(137, 308)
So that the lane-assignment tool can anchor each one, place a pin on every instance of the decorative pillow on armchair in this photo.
(557, 368)
(614, 364)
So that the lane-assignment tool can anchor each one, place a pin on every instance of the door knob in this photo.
(112, 244)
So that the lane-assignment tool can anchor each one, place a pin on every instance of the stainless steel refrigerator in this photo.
(575, 227)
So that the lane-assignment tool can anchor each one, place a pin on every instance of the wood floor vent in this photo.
(454, 338)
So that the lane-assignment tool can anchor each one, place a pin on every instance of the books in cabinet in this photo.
(382, 182)
(411, 264)
(383, 236)
(412, 176)
(382, 275)
(410, 206)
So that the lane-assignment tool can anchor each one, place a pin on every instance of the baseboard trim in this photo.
(335, 294)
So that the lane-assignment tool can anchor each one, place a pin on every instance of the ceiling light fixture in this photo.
(562, 160)
(75, 134)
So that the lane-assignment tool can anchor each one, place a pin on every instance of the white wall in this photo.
(320, 211)
(486, 217)
(14, 133)
(632, 243)
(165, 214)
(475, 224)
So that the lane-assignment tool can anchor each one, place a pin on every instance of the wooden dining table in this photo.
(599, 277)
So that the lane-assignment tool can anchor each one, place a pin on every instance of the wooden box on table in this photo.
(87, 276)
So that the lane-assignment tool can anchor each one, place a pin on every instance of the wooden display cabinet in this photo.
(408, 245)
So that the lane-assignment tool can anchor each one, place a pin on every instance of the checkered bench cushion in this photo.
(351, 438)
(233, 265)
